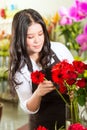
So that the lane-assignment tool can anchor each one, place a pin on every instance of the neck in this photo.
(35, 57)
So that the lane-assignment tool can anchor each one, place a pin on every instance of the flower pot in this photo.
(1, 108)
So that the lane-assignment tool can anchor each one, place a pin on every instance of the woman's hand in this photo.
(44, 88)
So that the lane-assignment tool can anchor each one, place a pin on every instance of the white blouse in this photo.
(24, 90)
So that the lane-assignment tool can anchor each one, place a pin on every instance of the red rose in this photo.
(79, 66)
(76, 126)
(57, 77)
(62, 89)
(37, 77)
(41, 128)
(81, 83)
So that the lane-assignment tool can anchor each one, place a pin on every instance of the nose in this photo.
(36, 40)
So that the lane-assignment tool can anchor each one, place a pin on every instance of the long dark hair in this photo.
(18, 51)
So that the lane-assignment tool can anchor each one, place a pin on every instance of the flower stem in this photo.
(62, 97)
(71, 110)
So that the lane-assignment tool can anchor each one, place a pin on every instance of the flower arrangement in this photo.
(70, 78)
(67, 25)
(71, 24)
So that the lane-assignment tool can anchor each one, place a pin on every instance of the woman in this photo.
(31, 50)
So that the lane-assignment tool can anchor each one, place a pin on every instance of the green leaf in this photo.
(81, 100)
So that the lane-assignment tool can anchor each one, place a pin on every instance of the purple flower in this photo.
(75, 13)
(65, 18)
(65, 21)
(82, 39)
(85, 29)
(78, 11)
(72, 17)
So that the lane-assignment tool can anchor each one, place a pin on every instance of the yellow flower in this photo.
(46, 21)
(55, 18)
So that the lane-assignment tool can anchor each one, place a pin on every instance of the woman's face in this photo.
(35, 39)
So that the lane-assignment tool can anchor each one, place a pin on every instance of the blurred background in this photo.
(63, 26)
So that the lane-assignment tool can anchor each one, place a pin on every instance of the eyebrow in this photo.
(33, 33)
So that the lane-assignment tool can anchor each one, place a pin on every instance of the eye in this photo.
(30, 37)
(41, 33)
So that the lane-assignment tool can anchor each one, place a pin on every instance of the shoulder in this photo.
(23, 74)
(61, 51)
(57, 45)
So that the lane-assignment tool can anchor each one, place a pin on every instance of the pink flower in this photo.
(78, 11)
(65, 18)
(82, 39)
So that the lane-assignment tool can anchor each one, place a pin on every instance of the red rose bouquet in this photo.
(71, 78)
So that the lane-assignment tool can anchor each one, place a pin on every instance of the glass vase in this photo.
(84, 115)
(68, 116)
(72, 113)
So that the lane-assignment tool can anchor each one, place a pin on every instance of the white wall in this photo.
(43, 6)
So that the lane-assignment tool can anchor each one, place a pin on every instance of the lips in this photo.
(37, 47)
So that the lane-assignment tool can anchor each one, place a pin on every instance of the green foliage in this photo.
(81, 96)
(3, 73)
(70, 32)
(61, 128)
(4, 53)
